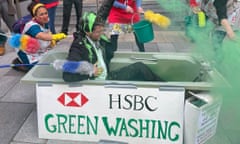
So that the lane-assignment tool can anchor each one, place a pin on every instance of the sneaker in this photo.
(2, 50)
(19, 68)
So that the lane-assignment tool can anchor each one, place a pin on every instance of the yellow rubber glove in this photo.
(58, 36)
(53, 43)
(201, 19)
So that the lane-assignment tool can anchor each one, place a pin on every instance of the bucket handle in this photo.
(134, 16)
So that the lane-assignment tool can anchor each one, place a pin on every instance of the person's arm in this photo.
(123, 6)
(77, 52)
(36, 32)
(139, 3)
(117, 4)
(139, 6)
(221, 9)
(105, 8)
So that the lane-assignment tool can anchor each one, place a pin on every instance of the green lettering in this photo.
(71, 124)
(162, 133)
(169, 131)
(131, 124)
(80, 124)
(47, 117)
(153, 128)
(142, 128)
(62, 120)
(91, 125)
(111, 130)
(123, 128)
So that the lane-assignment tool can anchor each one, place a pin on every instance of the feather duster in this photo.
(81, 67)
(25, 43)
(157, 19)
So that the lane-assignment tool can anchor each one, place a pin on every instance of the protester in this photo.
(225, 14)
(122, 15)
(3, 40)
(104, 9)
(51, 6)
(67, 8)
(88, 45)
(36, 28)
(7, 13)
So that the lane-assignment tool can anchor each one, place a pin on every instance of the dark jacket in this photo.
(82, 50)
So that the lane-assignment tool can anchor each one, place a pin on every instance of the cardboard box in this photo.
(201, 117)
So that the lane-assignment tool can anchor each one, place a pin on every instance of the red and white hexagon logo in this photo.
(72, 99)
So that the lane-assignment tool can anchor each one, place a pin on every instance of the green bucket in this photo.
(143, 31)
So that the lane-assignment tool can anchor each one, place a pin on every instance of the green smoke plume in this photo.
(226, 59)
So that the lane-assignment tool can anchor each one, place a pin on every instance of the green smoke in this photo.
(226, 59)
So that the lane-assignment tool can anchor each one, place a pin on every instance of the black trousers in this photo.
(114, 41)
(134, 72)
(217, 39)
(3, 38)
(67, 9)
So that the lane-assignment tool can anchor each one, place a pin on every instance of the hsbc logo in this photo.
(72, 99)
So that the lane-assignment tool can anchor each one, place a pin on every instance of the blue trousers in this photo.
(51, 15)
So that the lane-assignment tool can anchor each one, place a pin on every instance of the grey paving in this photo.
(28, 131)
(12, 116)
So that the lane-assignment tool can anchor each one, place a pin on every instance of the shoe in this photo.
(2, 50)
(19, 68)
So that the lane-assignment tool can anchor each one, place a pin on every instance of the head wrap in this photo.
(89, 20)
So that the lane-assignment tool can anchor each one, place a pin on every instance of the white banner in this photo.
(128, 114)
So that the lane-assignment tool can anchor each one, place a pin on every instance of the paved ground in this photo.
(18, 114)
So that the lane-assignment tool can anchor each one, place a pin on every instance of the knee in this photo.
(139, 64)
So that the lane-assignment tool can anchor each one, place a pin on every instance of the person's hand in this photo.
(58, 36)
(53, 43)
(231, 35)
(196, 9)
(129, 9)
(97, 70)
(140, 10)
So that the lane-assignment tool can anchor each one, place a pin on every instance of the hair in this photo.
(33, 7)
(87, 24)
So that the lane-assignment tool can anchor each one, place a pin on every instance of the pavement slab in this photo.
(12, 116)
(23, 93)
(28, 133)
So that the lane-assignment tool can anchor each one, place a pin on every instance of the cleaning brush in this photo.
(81, 67)
(156, 18)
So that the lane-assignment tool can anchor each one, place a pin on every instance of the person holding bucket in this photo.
(89, 46)
(122, 15)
